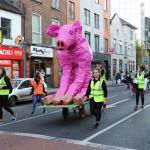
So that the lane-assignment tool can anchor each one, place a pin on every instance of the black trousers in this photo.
(138, 93)
(4, 104)
(95, 109)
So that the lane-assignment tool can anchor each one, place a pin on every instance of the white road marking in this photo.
(30, 118)
(112, 96)
(70, 141)
(114, 124)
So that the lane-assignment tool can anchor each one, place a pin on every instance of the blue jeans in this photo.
(35, 98)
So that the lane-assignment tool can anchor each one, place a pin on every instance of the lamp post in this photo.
(1, 36)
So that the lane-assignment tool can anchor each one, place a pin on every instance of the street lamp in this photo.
(1, 36)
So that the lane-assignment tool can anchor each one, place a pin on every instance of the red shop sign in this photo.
(5, 62)
(7, 52)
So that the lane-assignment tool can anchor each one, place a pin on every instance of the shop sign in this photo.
(5, 62)
(41, 52)
(11, 52)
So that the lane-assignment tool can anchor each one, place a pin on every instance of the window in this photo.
(55, 4)
(105, 24)
(87, 17)
(96, 43)
(71, 10)
(114, 67)
(106, 45)
(97, 1)
(36, 28)
(120, 47)
(96, 21)
(105, 5)
(115, 47)
(25, 84)
(6, 27)
(126, 48)
(131, 35)
(55, 22)
(120, 65)
(88, 37)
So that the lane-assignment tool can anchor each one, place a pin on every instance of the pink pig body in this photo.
(75, 57)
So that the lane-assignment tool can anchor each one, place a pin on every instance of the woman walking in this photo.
(38, 91)
(5, 90)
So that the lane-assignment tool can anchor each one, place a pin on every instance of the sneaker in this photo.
(142, 107)
(96, 125)
(136, 107)
(44, 111)
(32, 113)
(14, 117)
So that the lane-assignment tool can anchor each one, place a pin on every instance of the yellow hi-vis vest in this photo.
(104, 75)
(141, 80)
(3, 91)
(96, 91)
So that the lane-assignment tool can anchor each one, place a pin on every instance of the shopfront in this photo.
(41, 59)
(11, 58)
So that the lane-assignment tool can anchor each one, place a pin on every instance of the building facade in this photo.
(123, 42)
(106, 35)
(40, 51)
(11, 54)
(91, 16)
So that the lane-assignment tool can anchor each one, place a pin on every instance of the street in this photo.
(120, 128)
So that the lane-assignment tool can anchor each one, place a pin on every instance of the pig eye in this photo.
(70, 32)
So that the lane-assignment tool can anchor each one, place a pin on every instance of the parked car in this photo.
(21, 90)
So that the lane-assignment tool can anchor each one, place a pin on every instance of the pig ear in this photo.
(77, 26)
(53, 30)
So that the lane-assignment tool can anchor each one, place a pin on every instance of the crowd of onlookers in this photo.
(129, 78)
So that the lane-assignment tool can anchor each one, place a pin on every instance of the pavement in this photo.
(22, 142)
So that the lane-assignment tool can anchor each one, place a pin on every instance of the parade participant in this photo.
(140, 81)
(102, 70)
(5, 90)
(103, 75)
(38, 91)
(97, 93)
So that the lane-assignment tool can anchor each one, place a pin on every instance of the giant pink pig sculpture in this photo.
(75, 57)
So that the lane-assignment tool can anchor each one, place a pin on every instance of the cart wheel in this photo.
(81, 113)
(65, 113)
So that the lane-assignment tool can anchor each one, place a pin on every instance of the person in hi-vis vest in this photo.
(140, 84)
(97, 93)
(5, 90)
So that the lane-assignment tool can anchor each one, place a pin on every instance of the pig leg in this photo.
(64, 84)
(79, 98)
(77, 84)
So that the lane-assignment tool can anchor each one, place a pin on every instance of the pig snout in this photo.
(61, 45)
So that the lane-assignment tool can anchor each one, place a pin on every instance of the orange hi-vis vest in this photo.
(38, 88)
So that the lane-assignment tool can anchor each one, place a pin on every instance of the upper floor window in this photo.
(97, 1)
(88, 37)
(96, 21)
(97, 43)
(114, 44)
(131, 35)
(120, 46)
(105, 5)
(36, 28)
(55, 22)
(86, 17)
(55, 4)
(71, 10)
(6, 27)
(106, 45)
(105, 24)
